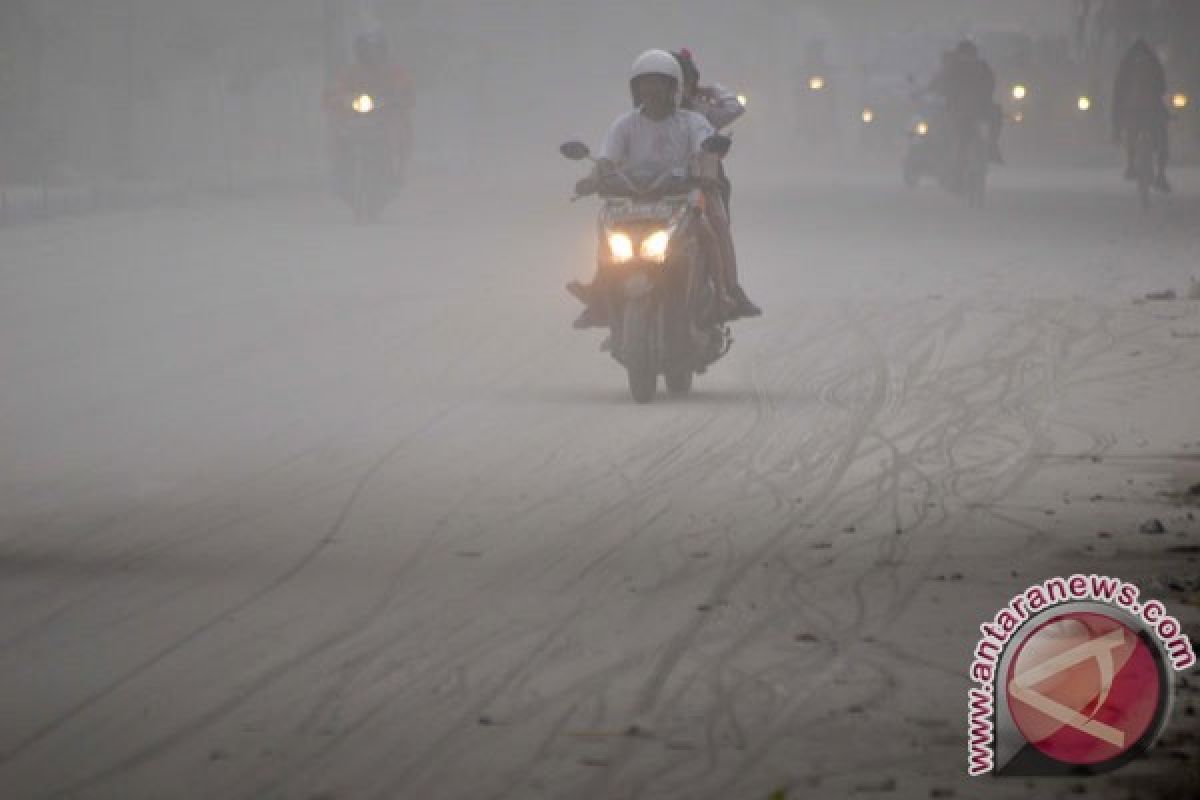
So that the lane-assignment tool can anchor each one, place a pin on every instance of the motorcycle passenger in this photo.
(373, 73)
(967, 84)
(1138, 104)
(719, 106)
(654, 137)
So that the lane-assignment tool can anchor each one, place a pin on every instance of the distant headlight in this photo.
(621, 247)
(1019, 116)
(1019, 92)
(654, 247)
(1085, 103)
(816, 83)
(1179, 100)
(868, 115)
(363, 104)
(742, 100)
(921, 129)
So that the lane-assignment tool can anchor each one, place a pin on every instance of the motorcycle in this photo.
(923, 156)
(366, 171)
(960, 168)
(655, 275)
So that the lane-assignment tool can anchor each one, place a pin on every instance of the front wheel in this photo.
(637, 350)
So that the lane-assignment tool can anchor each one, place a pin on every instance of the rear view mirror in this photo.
(576, 151)
(717, 143)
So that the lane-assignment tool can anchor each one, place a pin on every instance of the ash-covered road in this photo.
(291, 508)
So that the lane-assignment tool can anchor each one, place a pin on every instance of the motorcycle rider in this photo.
(658, 135)
(1138, 103)
(373, 73)
(968, 85)
(720, 107)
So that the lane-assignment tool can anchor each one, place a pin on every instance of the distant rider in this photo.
(968, 85)
(373, 73)
(1139, 104)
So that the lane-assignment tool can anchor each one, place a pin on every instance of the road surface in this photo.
(291, 508)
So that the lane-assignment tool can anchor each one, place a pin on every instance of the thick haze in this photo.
(226, 92)
(295, 506)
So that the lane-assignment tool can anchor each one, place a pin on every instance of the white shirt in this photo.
(651, 147)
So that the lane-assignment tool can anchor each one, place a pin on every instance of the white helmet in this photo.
(657, 62)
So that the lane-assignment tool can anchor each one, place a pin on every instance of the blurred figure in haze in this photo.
(718, 105)
(968, 85)
(1139, 105)
(817, 97)
(373, 73)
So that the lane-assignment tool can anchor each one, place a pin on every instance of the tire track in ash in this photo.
(197, 633)
(642, 490)
(164, 744)
(890, 553)
(1017, 473)
(765, 405)
(790, 718)
(645, 490)
(134, 554)
(681, 642)
(724, 702)
(648, 490)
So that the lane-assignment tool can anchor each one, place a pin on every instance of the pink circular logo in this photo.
(1084, 688)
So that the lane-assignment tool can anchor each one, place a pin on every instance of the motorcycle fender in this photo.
(637, 285)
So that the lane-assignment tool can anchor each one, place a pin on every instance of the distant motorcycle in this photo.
(924, 155)
(366, 172)
(933, 151)
(929, 142)
(659, 285)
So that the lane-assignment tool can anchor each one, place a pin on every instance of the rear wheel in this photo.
(637, 350)
(976, 173)
(1143, 165)
(910, 175)
(679, 381)
(359, 199)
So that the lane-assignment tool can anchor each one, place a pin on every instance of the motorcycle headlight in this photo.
(654, 246)
(1019, 91)
(742, 100)
(363, 104)
(1085, 103)
(868, 116)
(1179, 101)
(816, 83)
(621, 247)
(921, 129)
